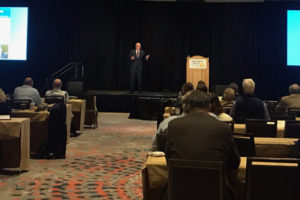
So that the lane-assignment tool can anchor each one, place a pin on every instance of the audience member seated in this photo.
(4, 107)
(218, 109)
(228, 97)
(26, 91)
(236, 88)
(163, 126)
(199, 136)
(2, 96)
(247, 106)
(56, 91)
(186, 87)
(201, 86)
(291, 101)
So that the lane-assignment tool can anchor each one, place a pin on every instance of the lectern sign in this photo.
(197, 64)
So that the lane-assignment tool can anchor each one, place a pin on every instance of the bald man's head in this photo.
(57, 84)
(28, 81)
(294, 89)
(138, 46)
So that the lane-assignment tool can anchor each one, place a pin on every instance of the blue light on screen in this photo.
(293, 37)
(13, 33)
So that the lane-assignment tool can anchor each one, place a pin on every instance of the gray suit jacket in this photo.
(28, 92)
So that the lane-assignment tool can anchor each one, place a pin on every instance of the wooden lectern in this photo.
(197, 69)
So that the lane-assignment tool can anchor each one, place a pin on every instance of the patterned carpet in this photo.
(102, 163)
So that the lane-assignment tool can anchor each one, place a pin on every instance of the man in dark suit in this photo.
(248, 106)
(199, 136)
(137, 56)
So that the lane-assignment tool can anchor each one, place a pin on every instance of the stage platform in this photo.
(124, 101)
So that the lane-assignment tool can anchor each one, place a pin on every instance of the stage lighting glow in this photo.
(13, 33)
(293, 37)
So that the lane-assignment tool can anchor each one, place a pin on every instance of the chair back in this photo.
(292, 129)
(245, 144)
(5, 107)
(91, 112)
(21, 104)
(272, 179)
(295, 110)
(53, 99)
(282, 115)
(261, 128)
(161, 140)
(271, 105)
(193, 180)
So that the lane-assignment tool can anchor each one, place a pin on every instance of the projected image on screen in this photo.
(13, 33)
(293, 37)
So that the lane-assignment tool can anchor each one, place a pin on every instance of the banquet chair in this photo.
(240, 118)
(21, 104)
(261, 128)
(5, 107)
(271, 105)
(59, 99)
(295, 110)
(91, 112)
(193, 180)
(245, 144)
(282, 115)
(292, 129)
(57, 134)
(272, 179)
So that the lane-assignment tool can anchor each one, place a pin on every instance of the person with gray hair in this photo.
(228, 97)
(4, 105)
(56, 91)
(26, 91)
(248, 86)
(248, 106)
(291, 101)
(2, 96)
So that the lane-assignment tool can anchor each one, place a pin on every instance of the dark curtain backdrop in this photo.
(241, 39)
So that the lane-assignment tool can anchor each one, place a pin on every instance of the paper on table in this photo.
(4, 117)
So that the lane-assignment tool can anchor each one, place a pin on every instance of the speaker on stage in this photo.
(75, 88)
